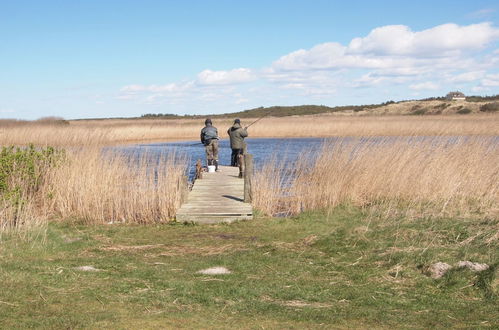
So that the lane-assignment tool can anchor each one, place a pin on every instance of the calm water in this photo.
(261, 149)
(265, 149)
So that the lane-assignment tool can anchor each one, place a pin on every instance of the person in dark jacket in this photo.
(237, 144)
(209, 138)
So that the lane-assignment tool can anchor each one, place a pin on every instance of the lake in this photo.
(264, 149)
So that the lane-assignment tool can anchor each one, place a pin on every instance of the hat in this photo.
(237, 121)
(207, 121)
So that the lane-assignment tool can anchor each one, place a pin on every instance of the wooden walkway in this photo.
(217, 197)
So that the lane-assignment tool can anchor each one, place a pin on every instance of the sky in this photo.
(99, 59)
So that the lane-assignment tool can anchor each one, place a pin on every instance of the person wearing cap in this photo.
(209, 138)
(237, 144)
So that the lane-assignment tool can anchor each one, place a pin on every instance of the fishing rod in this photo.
(268, 113)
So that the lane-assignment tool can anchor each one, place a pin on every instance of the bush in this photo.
(490, 107)
(441, 106)
(51, 121)
(22, 172)
(464, 111)
(418, 110)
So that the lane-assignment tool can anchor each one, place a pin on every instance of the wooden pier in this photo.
(217, 197)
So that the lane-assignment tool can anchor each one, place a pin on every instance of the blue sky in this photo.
(87, 59)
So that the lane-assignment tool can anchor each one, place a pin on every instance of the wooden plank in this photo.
(215, 211)
(223, 207)
(218, 197)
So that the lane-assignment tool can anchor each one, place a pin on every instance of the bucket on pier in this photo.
(211, 168)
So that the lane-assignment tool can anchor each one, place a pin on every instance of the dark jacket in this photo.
(237, 135)
(208, 133)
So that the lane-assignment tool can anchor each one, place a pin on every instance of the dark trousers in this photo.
(233, 156)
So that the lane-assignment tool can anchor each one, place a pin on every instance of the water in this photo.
(261, 149)
(265, 149)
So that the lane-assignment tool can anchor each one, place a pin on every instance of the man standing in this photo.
(209, 137)
(237, 144)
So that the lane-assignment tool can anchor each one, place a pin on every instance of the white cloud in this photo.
(392, 55)
(126, 97)
(478, 89)
(210, 96)
(7, 111)
(388, 58)
(133, 89)
(153, 98)
(331, 55)
(155, 94)
(241, 100)
(442, 40)
(424, 86)
(393, 46)
(235, 76)
(482, 13)
(322, 56)
(466, 77)
(491, 80)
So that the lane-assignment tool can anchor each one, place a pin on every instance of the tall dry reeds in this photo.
(340, 126)
(270, 188)
(430, 177)
(86, 184)
(121, 131)
(102, 187)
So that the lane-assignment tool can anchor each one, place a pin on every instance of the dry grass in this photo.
(428, 178)
(434, 107)
(330, 125)
(102, 188)
(120, 131)
(26, 221)
(420, 178)
(92, 187)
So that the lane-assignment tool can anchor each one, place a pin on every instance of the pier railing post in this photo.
(248, 174)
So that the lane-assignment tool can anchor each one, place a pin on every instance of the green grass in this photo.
(315, 271)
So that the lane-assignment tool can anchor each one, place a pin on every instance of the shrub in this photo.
(464, 111)
(418, 110)
(52, 121)
(490, 107)
(22, 171)
(441, 106)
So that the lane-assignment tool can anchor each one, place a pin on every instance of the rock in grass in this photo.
(437, 270)
(215, 271)
(88, 269)
(72, 239)
(474, 266)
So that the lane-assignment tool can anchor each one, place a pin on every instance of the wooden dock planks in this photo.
(217, 197)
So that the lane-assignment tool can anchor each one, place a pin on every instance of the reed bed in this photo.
(338, 126)
(123, 131)
(90, 186)
(418, 179)
(405, 178)
(107, 188)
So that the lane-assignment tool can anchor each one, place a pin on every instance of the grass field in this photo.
(342, 270)
(368, 222)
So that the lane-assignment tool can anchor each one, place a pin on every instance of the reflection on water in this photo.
(265, 149)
